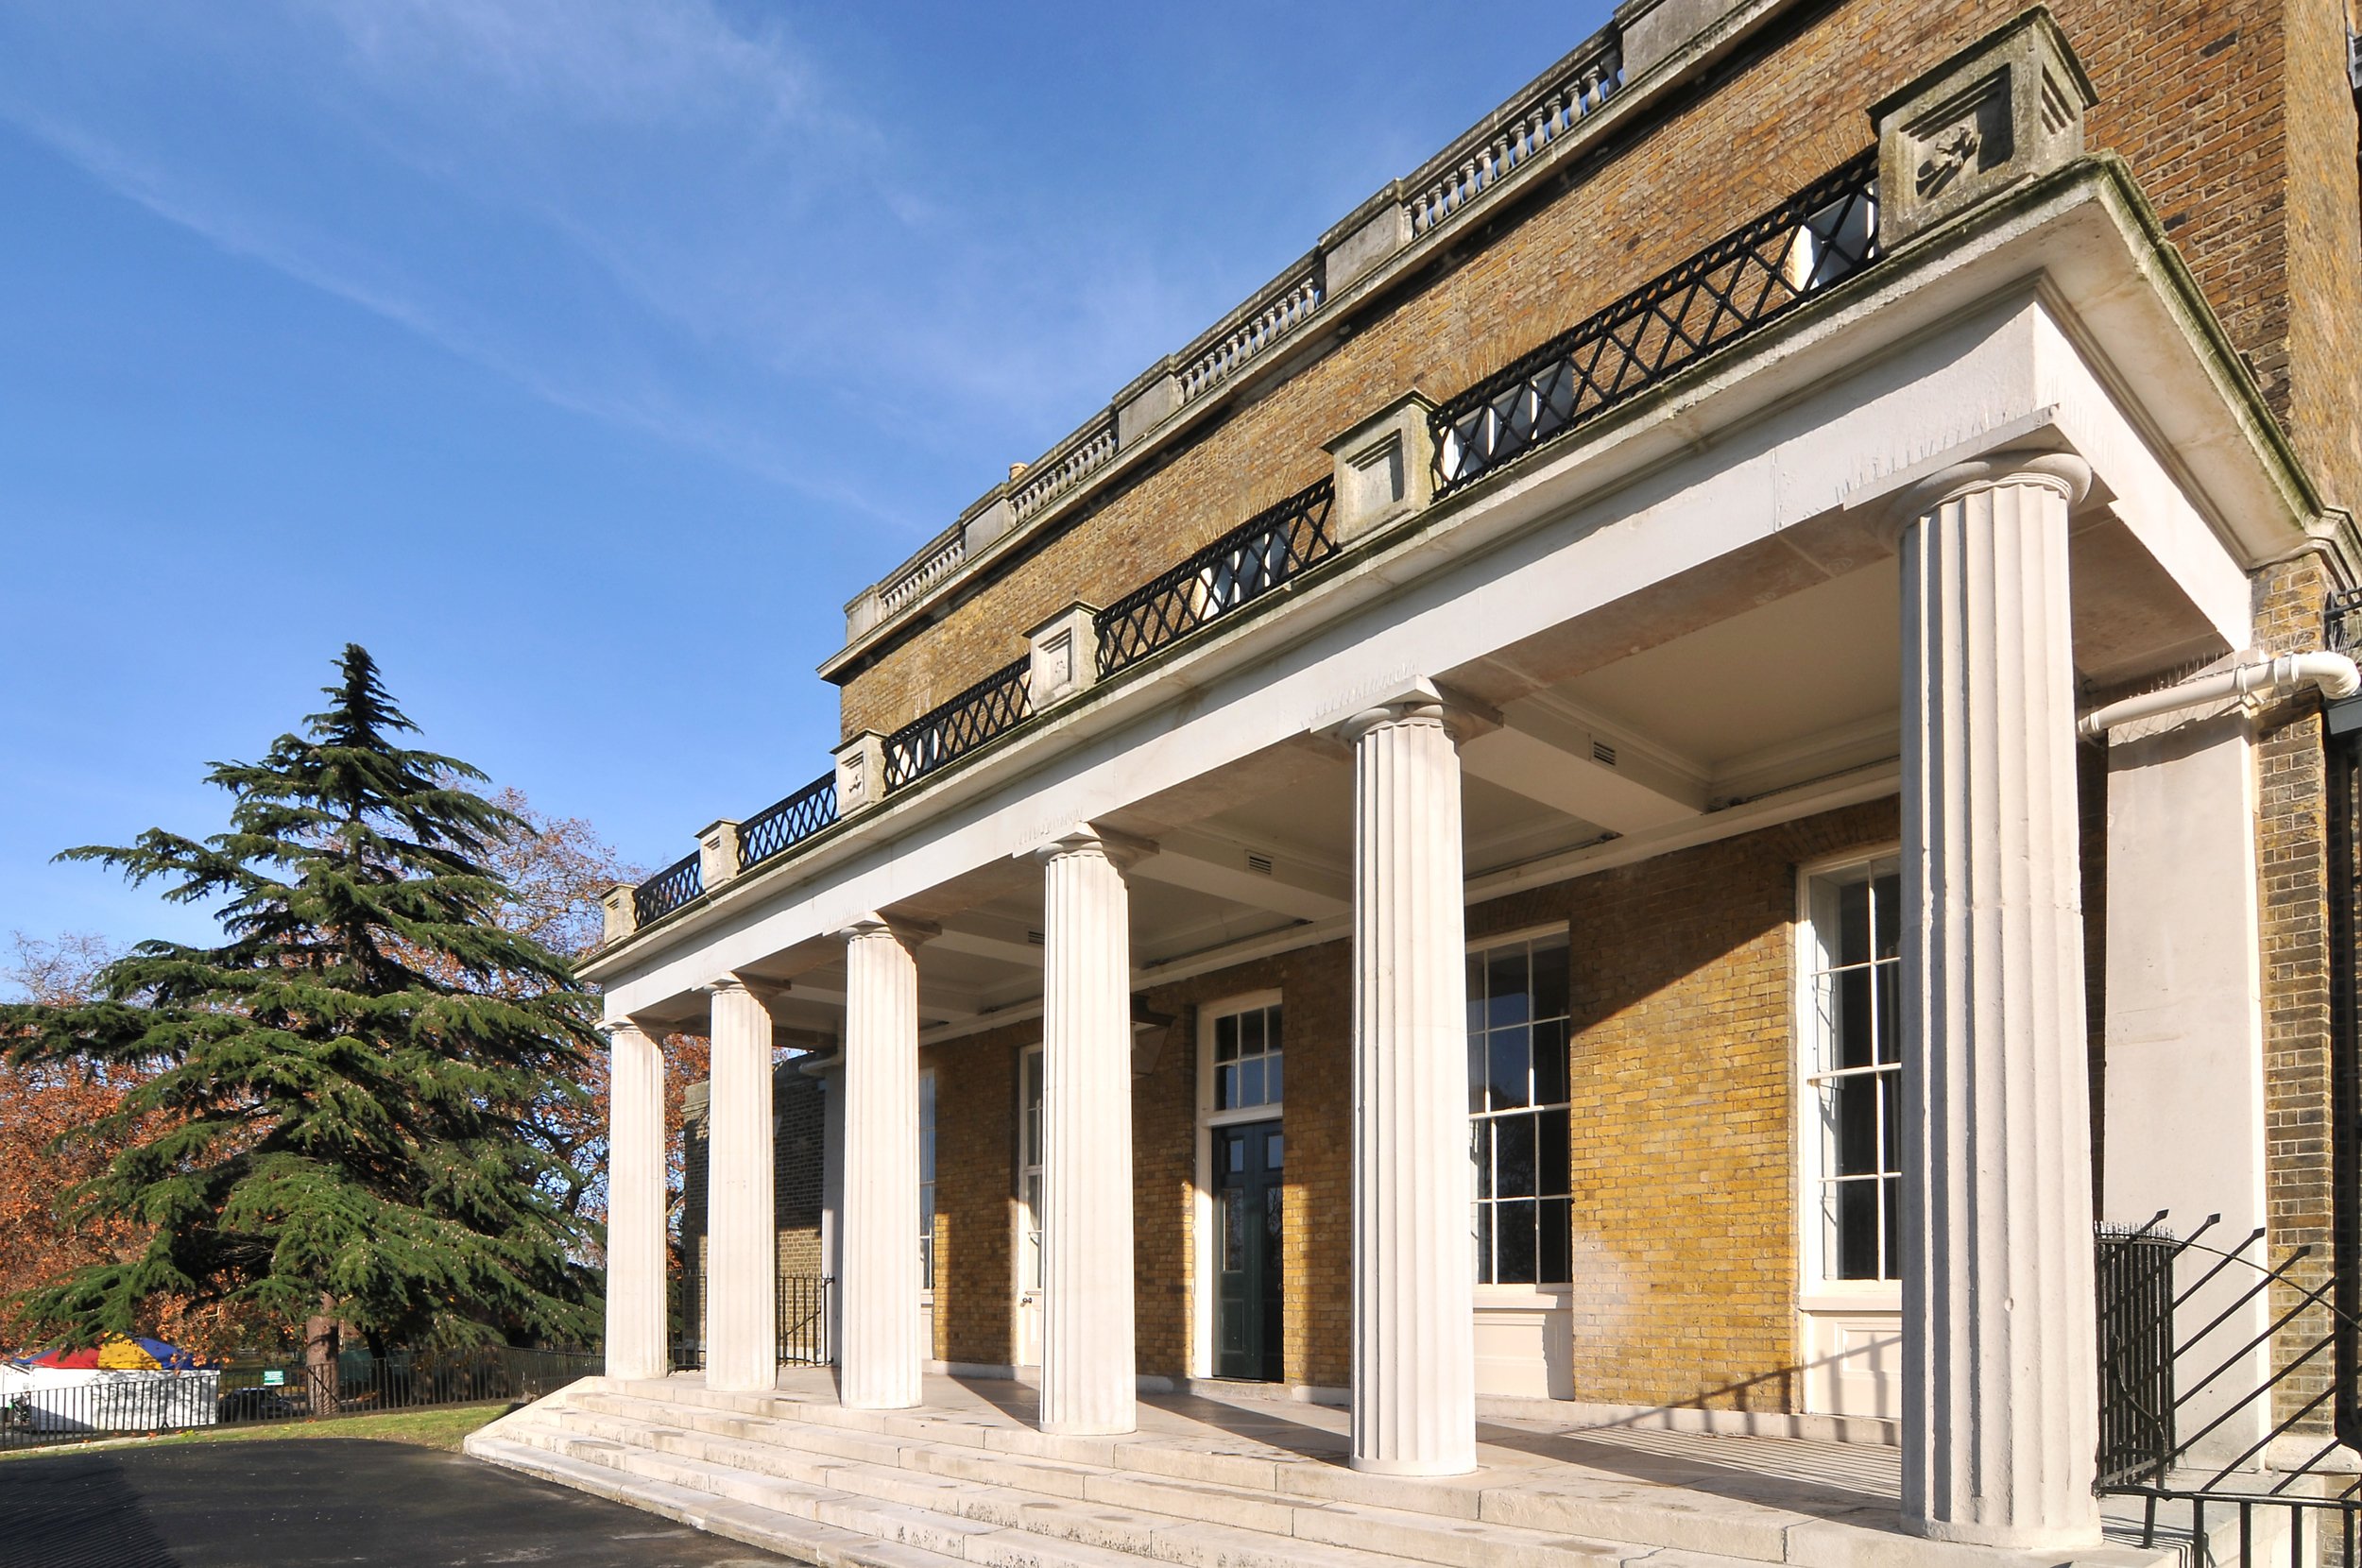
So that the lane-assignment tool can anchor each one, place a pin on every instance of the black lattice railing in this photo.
(668, 889)
(1825, 234)
(776, 828)
(1243, 564)
(994, 706)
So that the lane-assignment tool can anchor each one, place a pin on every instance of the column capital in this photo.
(910, 933)
(625, 1026)
(2062, 471)
(1417, 700)
(732, 983)
(1085, 838)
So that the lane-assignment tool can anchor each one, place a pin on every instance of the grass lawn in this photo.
(439, 1427)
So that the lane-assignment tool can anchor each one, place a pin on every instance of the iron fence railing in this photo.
(1243, 564)
(668, 889)
(992, 706)
(2201, 1410)
(1822, 234)
(778, 828)
(37, 1410)
(1818, 237)
(804, 1322)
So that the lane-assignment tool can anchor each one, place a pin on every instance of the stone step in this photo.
(1255, 1490)
(1201, 1525)
(801, 1540)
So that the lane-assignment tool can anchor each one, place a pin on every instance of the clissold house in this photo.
(1630, 799)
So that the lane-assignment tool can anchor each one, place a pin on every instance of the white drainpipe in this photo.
(2335, 673)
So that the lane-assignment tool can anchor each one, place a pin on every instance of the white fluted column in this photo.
(636, 1273)
(878, 1353)
(1088, 1380)
(2000, 1417)
(1413, 1265)
(742, 1227)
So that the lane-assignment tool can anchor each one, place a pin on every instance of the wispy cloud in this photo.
(647, 212)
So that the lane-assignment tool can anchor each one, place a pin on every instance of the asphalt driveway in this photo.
(310, 1503)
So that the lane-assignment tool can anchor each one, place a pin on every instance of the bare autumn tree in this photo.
(559, 869)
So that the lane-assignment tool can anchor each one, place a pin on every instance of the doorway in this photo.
(1249, 1165)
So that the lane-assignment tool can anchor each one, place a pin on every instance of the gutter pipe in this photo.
(2333, 674)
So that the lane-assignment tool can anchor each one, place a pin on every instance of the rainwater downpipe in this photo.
(2333, 674)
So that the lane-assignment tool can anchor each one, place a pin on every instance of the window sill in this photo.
(1529, 1298)
(1867, 1296)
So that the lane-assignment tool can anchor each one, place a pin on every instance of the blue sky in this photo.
(582, 357)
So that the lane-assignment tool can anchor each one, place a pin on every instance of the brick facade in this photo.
(2234, 117)
(797, 1131)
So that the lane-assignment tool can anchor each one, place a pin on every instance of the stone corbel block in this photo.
(2006, 109)
(619, 912)
(1066, 654)
(717, 853)
(1385, 468)
(1351, 254)
(1148, 402)
(986, 524)
(862, 614)
(859, 772)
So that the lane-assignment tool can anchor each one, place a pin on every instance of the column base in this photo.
(2005, 1539)
(1089, 1429)
(1413, 1467)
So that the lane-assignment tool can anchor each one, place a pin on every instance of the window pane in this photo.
(1886, 894)
(1892, 1196)
(1511, 1051)
(1855, 1150)
(1225, 1089)
(1553, 1162)
(1234, 1155)
(1505, 987)
(1891, 1122)
(1275, 1152)
(1251, 1082)
(1233, 1231)
(1550, 980)
(1513, 1156)
(1476, 993)
(1271, 1029)
(1226, 1038)
(1549, 1062)
(1852, 1019)
(1479, 1065)
(1512, 1230)
(1889, 986)
(1484, 1243)
(1271, 1080)
(1853, 922)
(1481, 1152)
(1857, 1229)
(1555, 1266)
(1250, 1033)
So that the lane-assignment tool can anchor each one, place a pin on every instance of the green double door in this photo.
(1248, 1264)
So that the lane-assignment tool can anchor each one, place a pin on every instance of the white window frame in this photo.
(1201, 1191)
(1541, 1295)
(1815, 1290)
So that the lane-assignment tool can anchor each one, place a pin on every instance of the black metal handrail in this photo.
(992, 706)
(775, 829)
(669, 889)
(1822, 234)
(1243, 564)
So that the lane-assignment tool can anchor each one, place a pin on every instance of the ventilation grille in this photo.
(1260, 864)
(1603, 753)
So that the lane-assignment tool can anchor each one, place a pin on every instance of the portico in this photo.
(1523, 901)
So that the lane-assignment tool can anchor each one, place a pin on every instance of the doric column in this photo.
(1088, 1381)
(878, 1353)
(1413, 1265)
(636, 1308)
(742, 1228)
(2000, 1419)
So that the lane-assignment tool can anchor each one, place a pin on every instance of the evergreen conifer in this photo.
(333, 1129)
